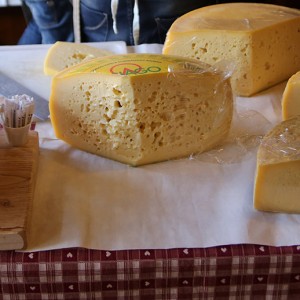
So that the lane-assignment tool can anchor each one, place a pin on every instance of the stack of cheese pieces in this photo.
(277, 182)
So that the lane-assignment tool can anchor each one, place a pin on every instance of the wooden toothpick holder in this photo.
(18, 170)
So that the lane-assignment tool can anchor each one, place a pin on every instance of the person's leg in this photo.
(31, 35)
(97, 21)
(155, 19)
(156, 16)
(53, 19)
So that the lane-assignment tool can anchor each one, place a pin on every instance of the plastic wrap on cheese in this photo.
(247, 131)
(277, 181)
(142, 108)
(262, 39)
(282, 143)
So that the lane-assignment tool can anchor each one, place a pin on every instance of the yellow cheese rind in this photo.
(263, 40)
(291, 97)
(63, 55)
(141, 115)
(277, 180)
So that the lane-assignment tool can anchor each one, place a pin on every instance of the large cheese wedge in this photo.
(140, 108)
(63, 55)
(277, 182)
(263, 40)
(291, 98)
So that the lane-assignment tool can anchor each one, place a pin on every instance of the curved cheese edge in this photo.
(234, 17)
(277, 179)
(291, 97)
(262, 39)
(140, 109)
(63, 55)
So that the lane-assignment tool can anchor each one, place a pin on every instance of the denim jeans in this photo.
(53, 21)
(156, 17)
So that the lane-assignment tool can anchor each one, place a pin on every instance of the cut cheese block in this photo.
(141, 108)
(291, 98)
(263, 40)
(62, 55)
(277, 182)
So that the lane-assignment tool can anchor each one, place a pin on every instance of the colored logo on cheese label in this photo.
(133, 69)
(125, 68)
(127, 64)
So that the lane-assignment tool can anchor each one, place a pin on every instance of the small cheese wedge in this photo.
(262, 39)
(291, 98)
(141, 108)
(277, 181)
(62, 55)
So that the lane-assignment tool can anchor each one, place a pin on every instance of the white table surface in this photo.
(86, 200)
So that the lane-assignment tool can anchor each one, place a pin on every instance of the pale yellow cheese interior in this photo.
(262, 40)
(63, 55)
(291, 97)
(140, 108)
(277, 181)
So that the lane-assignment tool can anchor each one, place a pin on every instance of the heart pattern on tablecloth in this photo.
(260, 279)
(186, 251)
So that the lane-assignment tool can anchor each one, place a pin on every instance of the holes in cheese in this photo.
(141, 108)
(277, 181)
(263, 40)
(62, 55)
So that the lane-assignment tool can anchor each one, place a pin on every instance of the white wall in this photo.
(10, 2)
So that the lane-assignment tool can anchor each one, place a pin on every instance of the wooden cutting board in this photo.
(18, 169)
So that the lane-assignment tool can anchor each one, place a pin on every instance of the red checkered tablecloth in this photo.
(223, 272)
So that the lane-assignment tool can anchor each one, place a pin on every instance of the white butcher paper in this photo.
(84, 200)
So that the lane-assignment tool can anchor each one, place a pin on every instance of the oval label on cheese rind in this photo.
(135, 65)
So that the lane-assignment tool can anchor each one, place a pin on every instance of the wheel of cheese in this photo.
(141, 108)
(263, 41)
